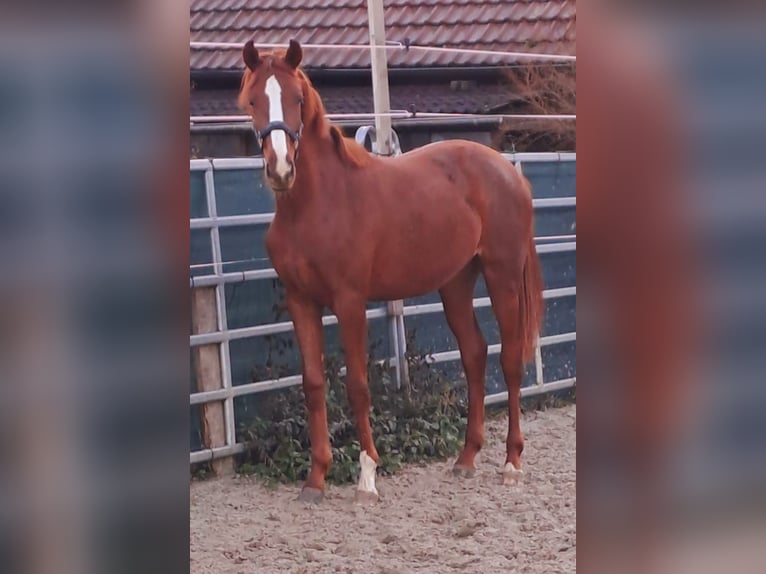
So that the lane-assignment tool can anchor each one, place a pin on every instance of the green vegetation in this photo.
(424, 422)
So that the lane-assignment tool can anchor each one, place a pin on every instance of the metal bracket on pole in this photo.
(367, 136)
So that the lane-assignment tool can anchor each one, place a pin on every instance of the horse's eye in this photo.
(252, 104)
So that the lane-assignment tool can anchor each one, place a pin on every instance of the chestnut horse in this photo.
(351, 227)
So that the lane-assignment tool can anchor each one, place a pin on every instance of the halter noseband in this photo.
(266, 132)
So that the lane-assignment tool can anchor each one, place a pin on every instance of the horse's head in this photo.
(272, 93)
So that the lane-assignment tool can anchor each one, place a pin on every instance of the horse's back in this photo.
(434, 207)
(490, 183)
(468, 169)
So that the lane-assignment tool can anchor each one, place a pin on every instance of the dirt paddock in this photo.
(427, 520)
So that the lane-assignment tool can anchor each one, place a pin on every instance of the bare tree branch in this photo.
(544, 90)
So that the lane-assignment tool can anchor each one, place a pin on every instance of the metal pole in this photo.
(220, 296)
(384, 146)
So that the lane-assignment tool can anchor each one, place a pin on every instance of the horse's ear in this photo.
(250, 55)
(294, 54)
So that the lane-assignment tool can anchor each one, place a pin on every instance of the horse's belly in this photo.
(410, 269)
(417, 285)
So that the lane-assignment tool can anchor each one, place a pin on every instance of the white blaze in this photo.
(278, 137)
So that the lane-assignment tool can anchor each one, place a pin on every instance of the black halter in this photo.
(266, 132)
(280, 125)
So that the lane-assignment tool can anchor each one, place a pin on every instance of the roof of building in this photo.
(540, 26)
(441, 98)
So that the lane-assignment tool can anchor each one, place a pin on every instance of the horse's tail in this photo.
(531, 304)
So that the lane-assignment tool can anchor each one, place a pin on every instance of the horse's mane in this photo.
(314, 114)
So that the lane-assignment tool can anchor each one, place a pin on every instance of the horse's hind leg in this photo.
(457, 296)
(504, 283)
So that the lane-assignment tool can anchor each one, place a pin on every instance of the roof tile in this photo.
(503, 25)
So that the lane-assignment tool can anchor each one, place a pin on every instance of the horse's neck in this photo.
(319, 171)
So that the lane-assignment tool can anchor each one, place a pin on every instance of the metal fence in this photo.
(230, 212)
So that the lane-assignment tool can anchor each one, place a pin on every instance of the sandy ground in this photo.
(427, 520)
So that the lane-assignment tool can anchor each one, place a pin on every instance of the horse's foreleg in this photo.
(353, 331)
(307, 319)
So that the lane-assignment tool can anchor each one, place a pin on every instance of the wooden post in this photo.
(207, 369)
(379, 60)
(384, 144)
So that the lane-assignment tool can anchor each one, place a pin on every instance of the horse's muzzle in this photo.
(280, 182)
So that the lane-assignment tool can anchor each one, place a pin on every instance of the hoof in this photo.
(365, 498)
(463, 471)
(511, 474)
(311, 495)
